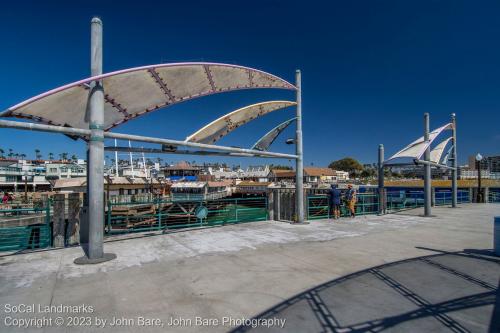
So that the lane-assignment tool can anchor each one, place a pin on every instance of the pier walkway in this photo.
(433, 274)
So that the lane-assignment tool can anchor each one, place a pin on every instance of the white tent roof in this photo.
(225, 124)
(417, 148)
(132, 92)
(438, 151)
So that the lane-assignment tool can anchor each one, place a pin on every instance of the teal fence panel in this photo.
(174, 214)
(318, 206)
(25, 237)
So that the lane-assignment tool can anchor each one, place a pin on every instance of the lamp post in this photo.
(479, 196)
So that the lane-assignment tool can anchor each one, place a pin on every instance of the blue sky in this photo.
(370, 68)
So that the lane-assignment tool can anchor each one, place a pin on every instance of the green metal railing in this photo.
(367, 203)
(17, 237)
(318, 206)
(174, 214)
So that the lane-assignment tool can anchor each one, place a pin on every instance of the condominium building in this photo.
(37, 175)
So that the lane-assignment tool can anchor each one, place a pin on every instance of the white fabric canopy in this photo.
(132, 92)
(268, 139)
(417, 148)
(438, 151)
(229, 122)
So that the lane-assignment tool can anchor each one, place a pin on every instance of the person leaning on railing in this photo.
(334, 200)
(351, 198)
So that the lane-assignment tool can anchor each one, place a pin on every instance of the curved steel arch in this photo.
(229, 122)
(267, 140)
(132, 92)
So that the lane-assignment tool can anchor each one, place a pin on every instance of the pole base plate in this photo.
(84, 260)
(299, 223)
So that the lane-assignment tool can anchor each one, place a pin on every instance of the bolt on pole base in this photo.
(84, 260)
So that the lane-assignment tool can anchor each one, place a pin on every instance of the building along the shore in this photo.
(37, 175)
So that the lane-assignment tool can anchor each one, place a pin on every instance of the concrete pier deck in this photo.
(319, 277)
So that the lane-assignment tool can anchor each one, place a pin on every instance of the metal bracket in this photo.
(96, 138)
(96, 126)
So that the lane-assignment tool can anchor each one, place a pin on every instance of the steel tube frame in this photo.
(299, 162)
(95, 152)
(454, 163)
(181, 152)
(427, 169)
(86, 133)
(432, 164)
(196, 145)
(44, 128)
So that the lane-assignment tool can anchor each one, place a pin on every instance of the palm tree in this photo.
(38, 156)
(1, 153)
(74, 157)
(23, 156)
(51, 156)
(63, 156)
(10, 153)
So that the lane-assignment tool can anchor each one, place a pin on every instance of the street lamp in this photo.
(479, 196)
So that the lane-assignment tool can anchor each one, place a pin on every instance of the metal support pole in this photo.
(381, 201)
(454, 162)
(427, 169)
(299, 165)
(95, 168)
(116, 162)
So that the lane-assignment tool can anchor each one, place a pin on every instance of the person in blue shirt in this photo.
(335, 201)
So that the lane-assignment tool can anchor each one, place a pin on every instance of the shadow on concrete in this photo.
(448, 291)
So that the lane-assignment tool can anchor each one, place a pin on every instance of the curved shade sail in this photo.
(438, 151)
(225, 124)
(132, 92)
(417, 148)
(447, 156)
(267, 140)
